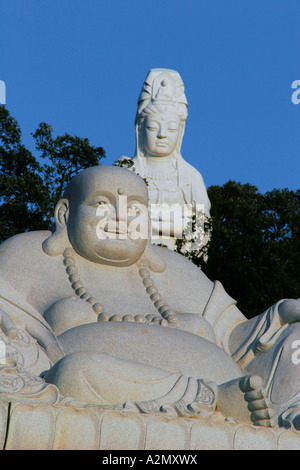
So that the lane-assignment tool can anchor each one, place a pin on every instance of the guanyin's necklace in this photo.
(167, 315)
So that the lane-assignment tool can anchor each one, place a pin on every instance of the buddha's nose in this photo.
(162, 131)
(121, 209)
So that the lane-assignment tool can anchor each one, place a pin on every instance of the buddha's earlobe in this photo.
(155, 262)
(59, 240)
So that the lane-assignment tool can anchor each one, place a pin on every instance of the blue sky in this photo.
(79, 65)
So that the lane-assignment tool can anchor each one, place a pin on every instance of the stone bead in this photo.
(128, 318)
(103, 317)
(159, 303)
(139, 318)
(91, 300)
(69, 253)
(163, 309)
(115, 318)
(76, 285)
(168, 312)
(74, 278)
(144, 273)
(155, 297)
(142, 264)
(149, 317)
(171, 319)
(80, 291)
(148, 282)
(85, 295)
(68, 261)
(98, 308)
(151, 290)
(71, 270)
(156, 320)
(164, 322)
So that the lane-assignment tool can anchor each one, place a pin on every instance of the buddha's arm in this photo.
(258, 334)
(16, 314)
(194, 323)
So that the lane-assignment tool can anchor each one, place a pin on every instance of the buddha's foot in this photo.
(198, 398)
(244, 399)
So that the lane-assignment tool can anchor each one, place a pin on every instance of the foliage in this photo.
(125, 162)
(254, 246)
(29, 189)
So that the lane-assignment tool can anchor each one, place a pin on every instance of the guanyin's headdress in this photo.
(163, 87)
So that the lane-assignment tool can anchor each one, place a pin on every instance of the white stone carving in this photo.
(176, 188)
(124, 325)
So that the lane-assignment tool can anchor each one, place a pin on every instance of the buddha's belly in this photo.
(167, 348)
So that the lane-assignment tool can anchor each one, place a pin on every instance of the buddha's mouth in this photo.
(117, 231)
(116, 228)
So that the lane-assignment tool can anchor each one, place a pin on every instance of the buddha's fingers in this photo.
(250, 383)
(255, 395)
(268, 423)
(265, 414)
(259, 404)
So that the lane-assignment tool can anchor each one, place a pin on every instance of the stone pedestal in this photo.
(44, 427)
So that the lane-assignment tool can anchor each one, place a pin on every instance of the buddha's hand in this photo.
(289, 311)
(194, 323)
(7, 325)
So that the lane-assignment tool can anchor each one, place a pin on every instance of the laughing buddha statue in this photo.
(93, 312)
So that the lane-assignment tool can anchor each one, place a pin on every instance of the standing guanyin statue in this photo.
(176, 189)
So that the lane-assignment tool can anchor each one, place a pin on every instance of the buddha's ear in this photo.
(61, 213)
(155, 262)
(59, 240)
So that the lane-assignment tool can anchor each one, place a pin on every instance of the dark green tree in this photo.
(22, 193)
(29, 188)
(64, 156)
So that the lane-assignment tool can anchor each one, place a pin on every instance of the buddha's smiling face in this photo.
(108, 216)
(160, 133)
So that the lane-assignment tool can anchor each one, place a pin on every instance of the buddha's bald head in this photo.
(104, 216)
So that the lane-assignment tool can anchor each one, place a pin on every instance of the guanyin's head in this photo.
(161, 115)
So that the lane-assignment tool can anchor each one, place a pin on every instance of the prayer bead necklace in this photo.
(167, 315)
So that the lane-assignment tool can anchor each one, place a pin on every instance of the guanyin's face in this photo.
(160, 133)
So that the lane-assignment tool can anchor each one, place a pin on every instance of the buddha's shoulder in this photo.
(23, 247)
(180, 267)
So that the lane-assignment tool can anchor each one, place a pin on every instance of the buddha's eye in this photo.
(152, 126)
(173, 127)
(134, 209)
(100, 204)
